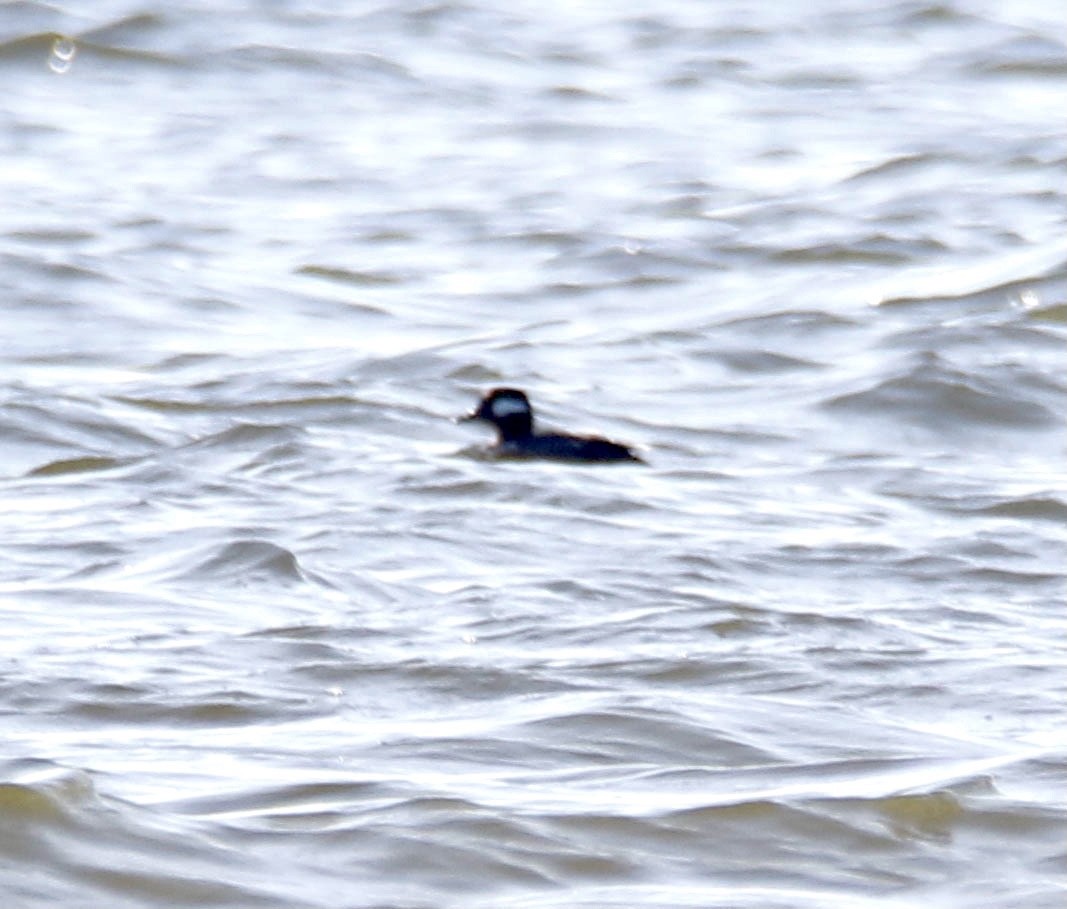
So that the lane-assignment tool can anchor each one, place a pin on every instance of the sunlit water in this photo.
(280, 633)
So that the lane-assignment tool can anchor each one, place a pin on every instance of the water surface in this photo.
(281, 633)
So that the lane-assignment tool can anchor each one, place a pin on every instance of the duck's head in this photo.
(508, 409)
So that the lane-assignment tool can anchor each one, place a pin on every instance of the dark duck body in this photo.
(509, 410)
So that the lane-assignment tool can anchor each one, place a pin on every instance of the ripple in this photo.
(69, 837)
(40, 792)
(246, 561)
(75, 465)
(944, 399)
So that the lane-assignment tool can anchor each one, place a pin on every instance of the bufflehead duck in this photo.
(509, 410)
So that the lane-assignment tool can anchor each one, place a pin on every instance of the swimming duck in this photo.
(509, 410)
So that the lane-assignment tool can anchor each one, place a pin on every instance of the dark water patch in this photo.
(447, 680)
(691, 669)
(789, 324)
(308, 62)
(297, 801)
(67, 466)
(30, 49)
(210, 399)
(441, 861)
(74, 273)
(164, 405)
(51, 236)
(1048, 508)
(742, 826)
(1012, 579)
(53, 435)
(519, 854)
(36, 791)
(193, 361)
(355, 279)
(137, 28)
(591, 285)
(897, 166)
(989, 286)
(72, 841)
(943, 400)
(87, 53)
(1025, 55)
(875, 251)
(643, 737)
(559, 241)
(1055, 313)
(451, 485)
(932, 817)
(244, 435)
(335, 638)
(766, 361)
(988, 337)
(93, 54)
(249, 561)
(954, 570)
(231, 708)
(1028, 507)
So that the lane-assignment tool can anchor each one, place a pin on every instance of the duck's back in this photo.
(568, 448)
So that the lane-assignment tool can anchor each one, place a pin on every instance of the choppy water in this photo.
(279, 634)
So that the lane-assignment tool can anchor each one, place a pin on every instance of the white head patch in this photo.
(507, 406)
